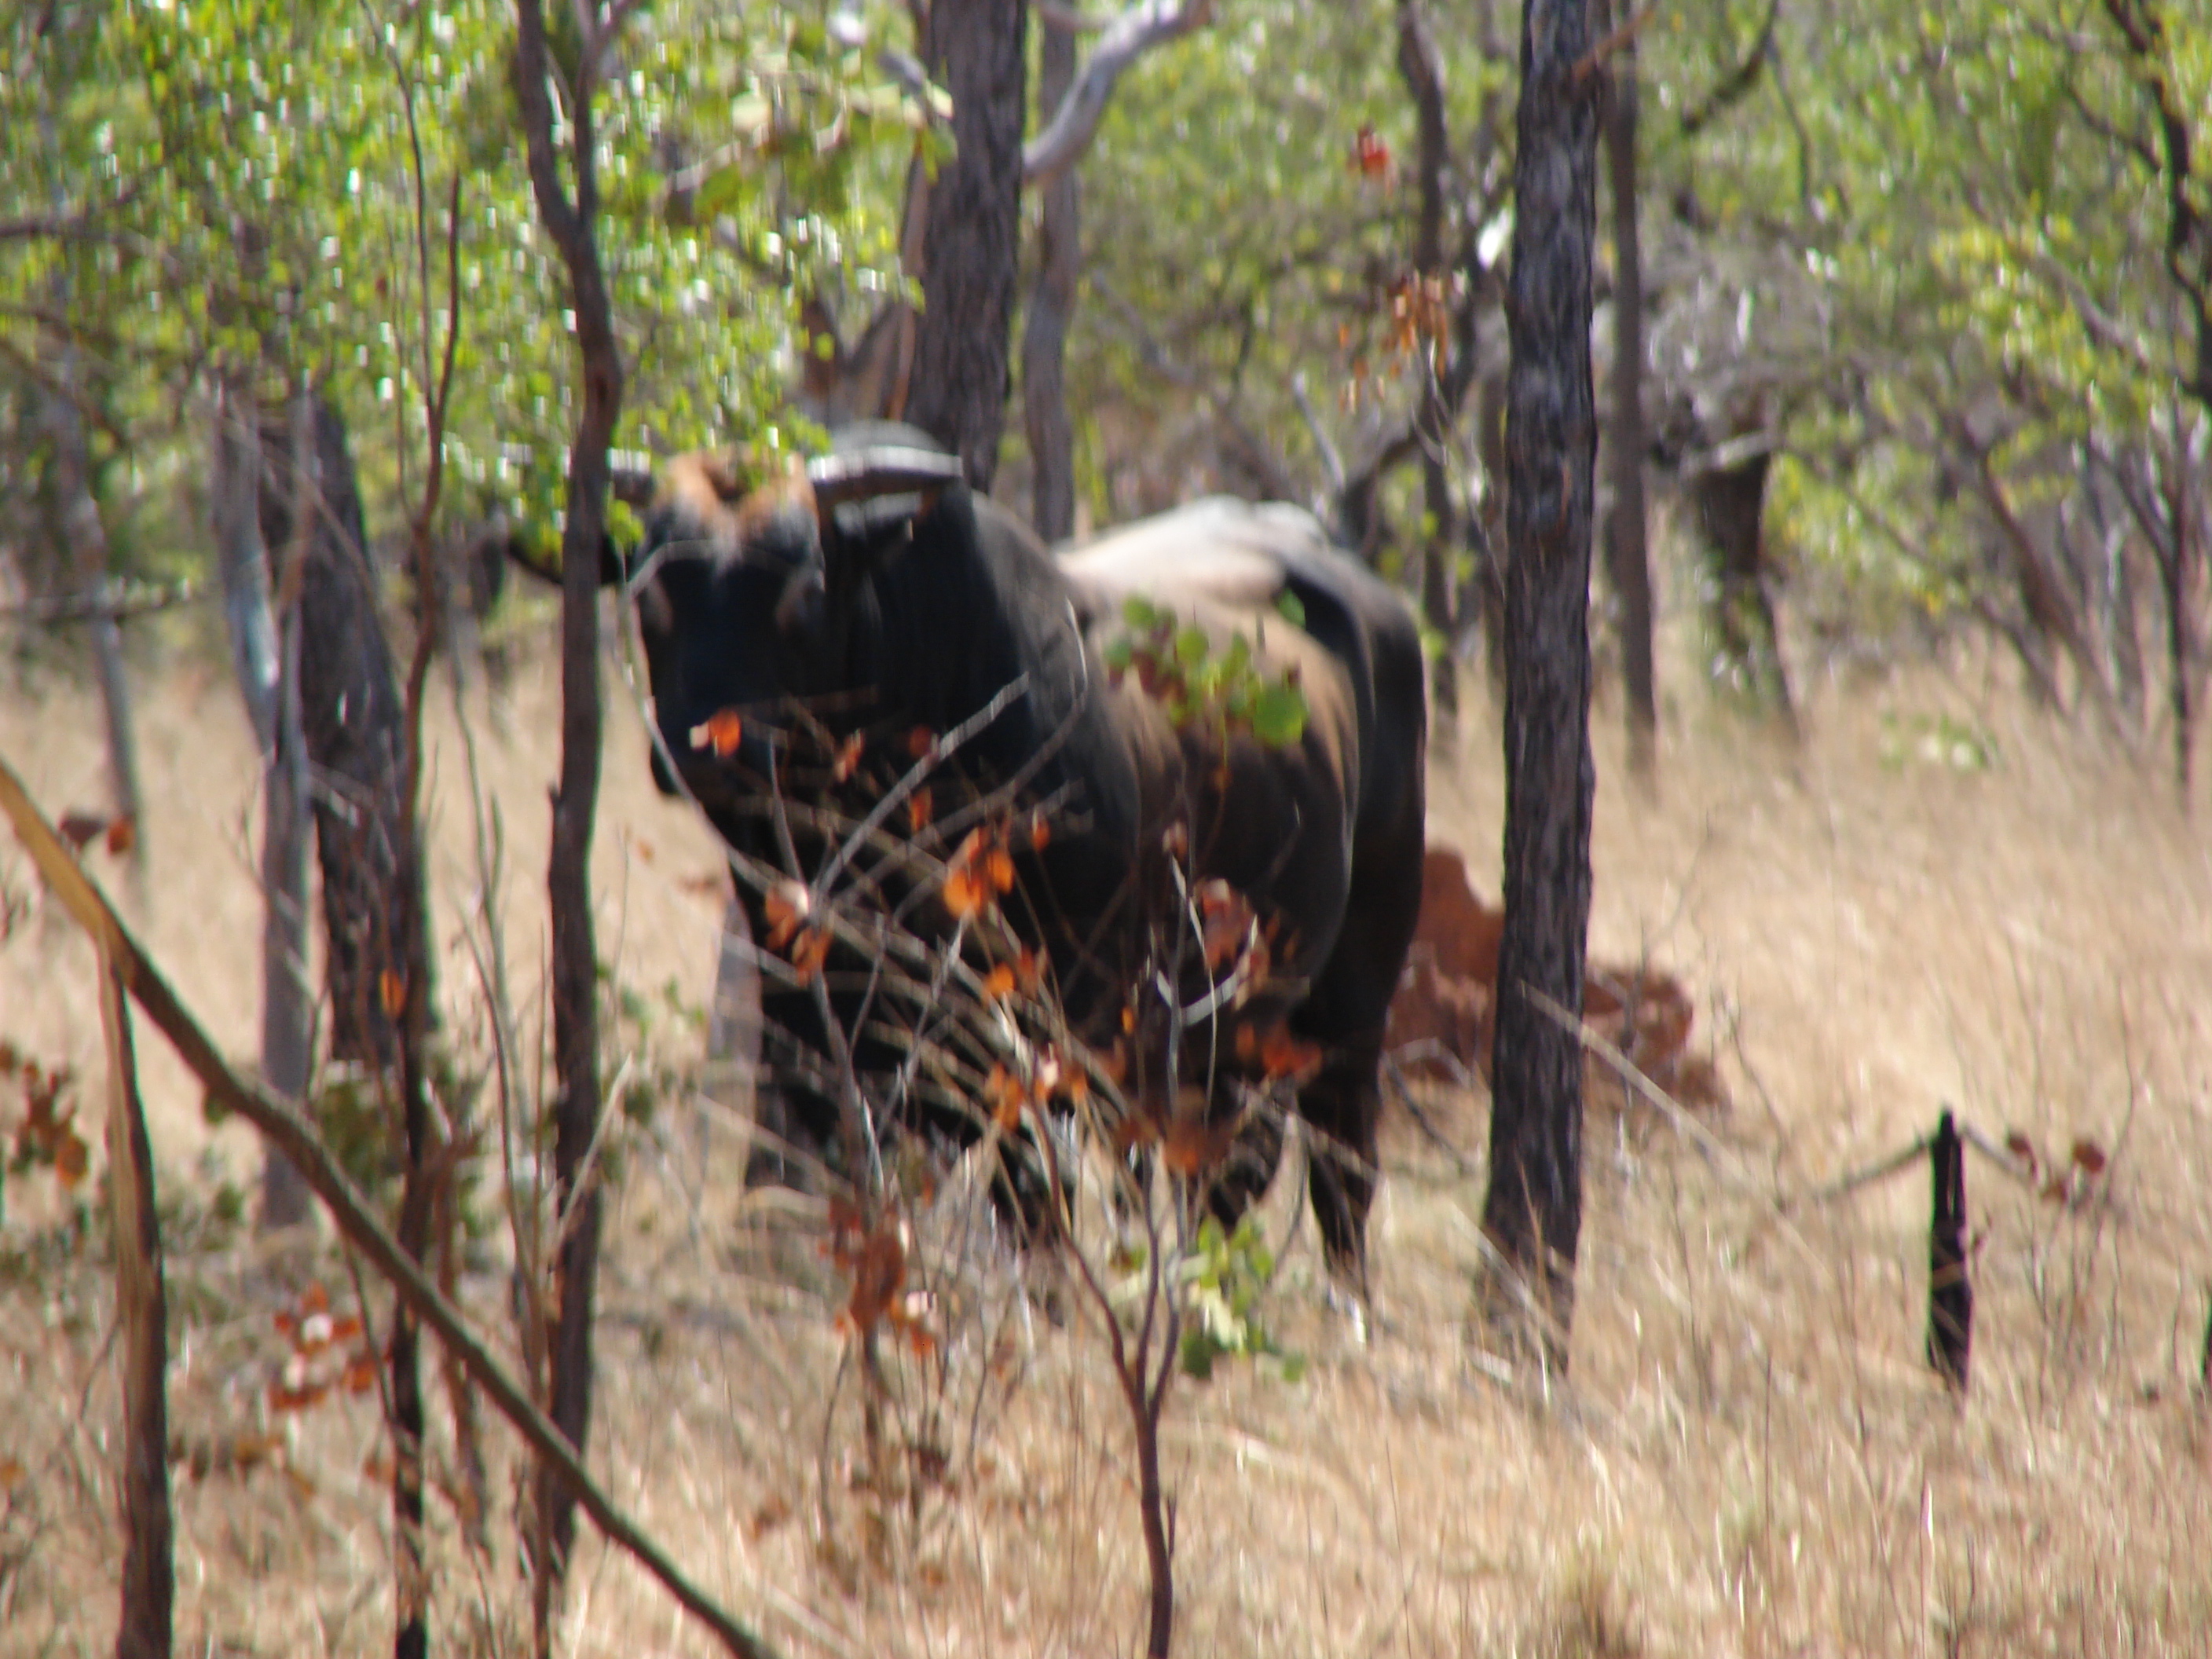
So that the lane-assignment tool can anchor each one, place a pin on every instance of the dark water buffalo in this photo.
(874, 592)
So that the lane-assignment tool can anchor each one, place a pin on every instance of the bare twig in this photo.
(287, 1130)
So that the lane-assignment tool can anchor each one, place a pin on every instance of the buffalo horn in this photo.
(883, 470)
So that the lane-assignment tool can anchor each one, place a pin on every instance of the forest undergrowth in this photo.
(1942, 897)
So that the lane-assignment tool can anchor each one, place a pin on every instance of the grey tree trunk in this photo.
(1051, 308)
(1422, 69)
(86, 533)
(971, 239)
(353, 723)
(1628, 558)
(572, 223)
(1533, 1210)
(264, 650)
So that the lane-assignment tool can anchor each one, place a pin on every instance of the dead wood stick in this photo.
(291, 1135)
(141, 1306)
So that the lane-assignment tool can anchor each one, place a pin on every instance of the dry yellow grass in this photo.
(1750, 1459)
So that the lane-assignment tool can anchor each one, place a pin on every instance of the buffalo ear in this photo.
(861, 475)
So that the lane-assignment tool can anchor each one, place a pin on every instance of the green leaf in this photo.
(1290, 608)
(1279, 714)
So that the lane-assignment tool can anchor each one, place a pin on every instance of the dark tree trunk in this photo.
(971, 237)
(142, 1314)
(265, 648)
(1485, 592)
(348, 722)
(1422, 72)
(1533, 1210)
(574, 225)
(1730, 502)
(354, 723)
(1051, 308)
(1627, 555)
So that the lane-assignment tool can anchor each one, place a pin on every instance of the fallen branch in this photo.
(291, 1134)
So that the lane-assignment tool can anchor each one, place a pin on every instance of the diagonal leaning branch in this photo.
(290, 1133)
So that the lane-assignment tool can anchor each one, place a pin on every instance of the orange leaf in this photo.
(971, 848)
(1028, 968)
(1040, 831)
(1370, 156)
(1006, 1099)
(1227, 917)
(71, 1159)
(999, 983)
(1189, 1147)
(848, 757)
(963, 894)
(361, 1373)
(392, 991)
(788, 904)
(809, 951)
(719, 731)
(1114, 1063)
(920, 742)
(920, 809)
(121, 836)
(345, 1329)
(999, 868)
(1284, 1055)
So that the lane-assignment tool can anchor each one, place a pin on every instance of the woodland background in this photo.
(1904, 354)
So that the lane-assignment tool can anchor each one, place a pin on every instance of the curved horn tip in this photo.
(880, 470)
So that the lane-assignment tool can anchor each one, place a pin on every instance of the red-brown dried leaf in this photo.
(1283, 1055)
(848, 757)
(1005, 1096)
(788, 904)
(964, 895)
(722, 732)
(2089, 1156)
(921, 808)
(1226, 919)
(392, 991)
(808, 952)
(121, 836)
(2022, 1148)
(920, 742)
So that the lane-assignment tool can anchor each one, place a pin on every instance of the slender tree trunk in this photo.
(266, 656)
(374, 909)
(1533, 1210)
(141, 1312)
(972, 233)
(1627, 554)
(1051, 308)
(88, 556)
(2177, 564)
(573, 227)
(1422, 70)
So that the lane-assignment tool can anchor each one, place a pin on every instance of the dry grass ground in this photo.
(1750, 1458)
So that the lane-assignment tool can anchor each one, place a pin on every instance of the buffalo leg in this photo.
(1245, 1173)
(1345, 1013)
